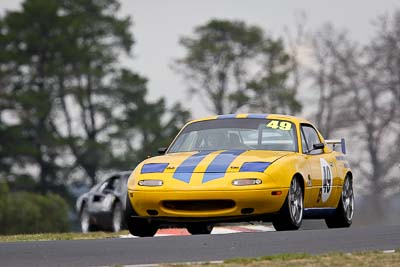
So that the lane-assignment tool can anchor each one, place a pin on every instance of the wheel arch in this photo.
(83, 203)
(298, 175)
(350, 175)
(117, 201)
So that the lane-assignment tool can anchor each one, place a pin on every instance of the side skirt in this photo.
(318, 213)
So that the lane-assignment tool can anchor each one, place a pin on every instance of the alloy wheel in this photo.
(348, 200)
(117, 218)
(85, 220)
(296, 201)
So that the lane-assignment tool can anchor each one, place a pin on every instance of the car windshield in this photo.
(230, 134)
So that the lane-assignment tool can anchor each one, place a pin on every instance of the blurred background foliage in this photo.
(26, 212)
(70, 112)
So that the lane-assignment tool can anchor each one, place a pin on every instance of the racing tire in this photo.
(344, 212)
(85, 220)
(117, 217)
(199, 228)
(291, 214)
(138, 226)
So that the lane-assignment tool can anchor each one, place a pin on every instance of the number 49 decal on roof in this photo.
(281, 125)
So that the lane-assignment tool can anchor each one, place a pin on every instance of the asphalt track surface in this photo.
(135, 251)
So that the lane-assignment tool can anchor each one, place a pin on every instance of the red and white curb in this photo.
(218, 230)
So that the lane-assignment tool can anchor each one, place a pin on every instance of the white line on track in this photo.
(206, 262)
(389, 251)
(181, 263)
(218, 230)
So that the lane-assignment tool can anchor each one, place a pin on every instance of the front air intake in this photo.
(247, 211)
(152, 212)
(198, 205)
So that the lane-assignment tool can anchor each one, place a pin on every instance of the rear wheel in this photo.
(291, 213)
(199, 228)
(345, 210)
(138, 226)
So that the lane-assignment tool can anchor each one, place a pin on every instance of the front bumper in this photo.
(245, 203)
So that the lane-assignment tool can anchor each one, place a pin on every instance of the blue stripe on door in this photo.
(220, 164)
(185, 170)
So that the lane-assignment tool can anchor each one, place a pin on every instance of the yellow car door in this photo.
(323, 170)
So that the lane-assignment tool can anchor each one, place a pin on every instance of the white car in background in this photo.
(103, 207)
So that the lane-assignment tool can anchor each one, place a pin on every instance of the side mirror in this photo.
(162, 150)
(318, 146)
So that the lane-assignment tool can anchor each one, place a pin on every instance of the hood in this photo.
(213, 161)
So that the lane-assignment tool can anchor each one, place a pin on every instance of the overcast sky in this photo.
(158, 25)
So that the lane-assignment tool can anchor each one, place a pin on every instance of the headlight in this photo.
(150, 182)
(248, 181)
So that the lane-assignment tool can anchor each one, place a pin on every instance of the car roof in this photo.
(254, 116)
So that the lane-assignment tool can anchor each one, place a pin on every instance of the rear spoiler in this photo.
(337, 144)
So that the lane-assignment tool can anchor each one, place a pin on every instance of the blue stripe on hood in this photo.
(185, 170)
(154, 167)
(220, 164)
(254, 166)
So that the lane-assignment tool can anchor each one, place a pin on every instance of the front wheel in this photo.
(291, 213)
(117, 217)
(345, 210)
(138, 226)
(199, 228)
(86, 224)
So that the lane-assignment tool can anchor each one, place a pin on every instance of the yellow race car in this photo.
(242, 167)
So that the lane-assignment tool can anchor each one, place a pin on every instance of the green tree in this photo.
(233, 65)
(28, 45)
(93, 39)
(64, 100)
(358, 95)
(155, 124)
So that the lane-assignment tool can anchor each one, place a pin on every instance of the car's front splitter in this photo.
(246, 203)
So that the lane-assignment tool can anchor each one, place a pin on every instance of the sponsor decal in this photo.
(309, 180)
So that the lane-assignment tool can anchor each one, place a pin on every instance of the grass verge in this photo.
(367, 259)
(59, 236)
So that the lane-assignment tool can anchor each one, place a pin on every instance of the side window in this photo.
(117, 184)
(111, 184)
(104, 186)
(311, 138)
(303, 142)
